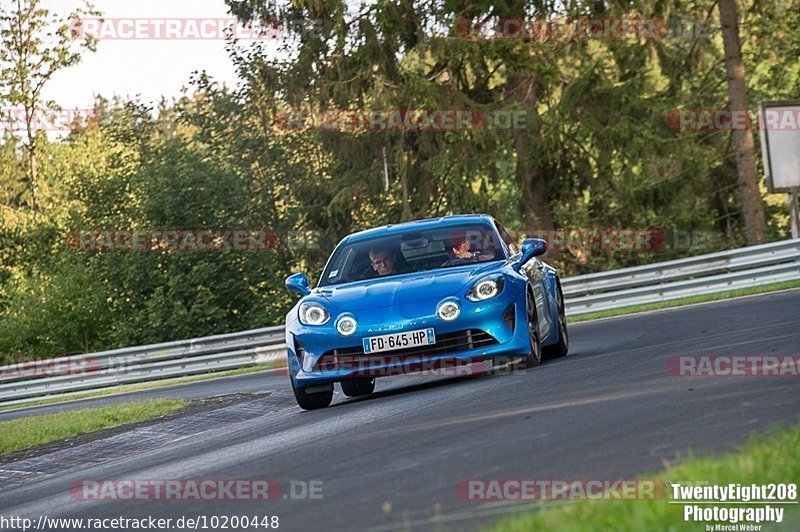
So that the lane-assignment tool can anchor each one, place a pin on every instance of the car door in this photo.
(538, 279)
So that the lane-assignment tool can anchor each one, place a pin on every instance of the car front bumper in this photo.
(320, 355)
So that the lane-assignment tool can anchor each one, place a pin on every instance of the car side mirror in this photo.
(298, 283)
(531, 247)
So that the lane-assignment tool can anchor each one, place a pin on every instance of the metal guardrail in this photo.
(704, 274)
(31, 381)
(663, 281)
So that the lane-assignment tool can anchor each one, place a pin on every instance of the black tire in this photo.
(534, 357)
(562, 347)
(312, 401)
(359, 386)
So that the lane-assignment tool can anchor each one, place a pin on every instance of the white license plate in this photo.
(401, 340)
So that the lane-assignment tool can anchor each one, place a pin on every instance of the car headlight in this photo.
(313, 314)
(346, 325)
(486, 288)
(448, 310)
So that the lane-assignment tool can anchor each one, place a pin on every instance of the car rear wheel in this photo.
(312, 401)
(560, 349)
(359, 386)
(534, 357)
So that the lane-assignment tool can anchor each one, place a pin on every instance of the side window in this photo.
(509, 242)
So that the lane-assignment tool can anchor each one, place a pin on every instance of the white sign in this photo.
(779, 123)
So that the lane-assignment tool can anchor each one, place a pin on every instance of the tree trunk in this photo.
(535, 210)
(32, 169)
(752, 207)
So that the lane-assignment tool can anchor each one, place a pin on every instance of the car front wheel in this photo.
(562, 347)
(534, 357)
(312, 401)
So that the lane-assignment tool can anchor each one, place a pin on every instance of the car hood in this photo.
(406, 288)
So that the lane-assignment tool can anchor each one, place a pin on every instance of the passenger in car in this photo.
(459, 250)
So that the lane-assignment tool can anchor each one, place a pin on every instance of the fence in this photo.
(29, 381)
(703, 274)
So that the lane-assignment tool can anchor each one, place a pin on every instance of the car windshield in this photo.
(412, 251)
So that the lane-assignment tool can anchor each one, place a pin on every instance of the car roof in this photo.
(428, 223)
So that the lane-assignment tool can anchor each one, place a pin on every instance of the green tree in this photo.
(34, 45)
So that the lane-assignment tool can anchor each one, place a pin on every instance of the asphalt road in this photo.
(391, 461)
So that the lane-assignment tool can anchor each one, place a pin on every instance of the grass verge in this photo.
(753, 290)
(29, 432)
(762, 460)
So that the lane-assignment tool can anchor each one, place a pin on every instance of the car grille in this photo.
(467, 340)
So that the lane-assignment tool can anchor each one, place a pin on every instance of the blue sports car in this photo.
(418, 295)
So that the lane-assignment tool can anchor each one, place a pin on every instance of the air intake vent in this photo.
(445, 343)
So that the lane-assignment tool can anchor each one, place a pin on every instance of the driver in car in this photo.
(383, 261)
